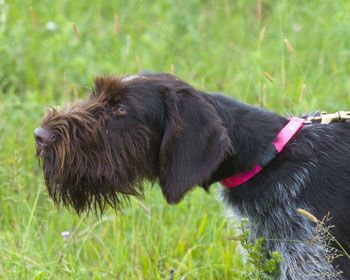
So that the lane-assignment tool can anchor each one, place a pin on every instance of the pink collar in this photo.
(276, 147)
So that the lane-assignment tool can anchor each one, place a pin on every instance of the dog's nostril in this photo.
(43, 136)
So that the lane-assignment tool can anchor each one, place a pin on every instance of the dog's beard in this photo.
(86, 182)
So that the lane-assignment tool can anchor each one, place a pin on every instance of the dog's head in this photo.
(147, 126)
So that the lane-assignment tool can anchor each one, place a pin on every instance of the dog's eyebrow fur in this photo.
(108, 87)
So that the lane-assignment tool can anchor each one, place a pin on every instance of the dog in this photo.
(156, 127)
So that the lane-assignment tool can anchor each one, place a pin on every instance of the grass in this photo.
(215, 46)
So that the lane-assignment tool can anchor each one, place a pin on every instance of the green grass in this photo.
(215, 46)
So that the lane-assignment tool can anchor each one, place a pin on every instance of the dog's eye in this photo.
(121, 110)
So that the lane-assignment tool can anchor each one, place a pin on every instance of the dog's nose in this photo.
(43, 136)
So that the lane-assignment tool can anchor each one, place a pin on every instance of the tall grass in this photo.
(215, 46)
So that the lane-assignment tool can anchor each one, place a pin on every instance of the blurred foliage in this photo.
(213, 45)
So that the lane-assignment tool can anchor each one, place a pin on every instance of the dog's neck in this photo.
(251, 130)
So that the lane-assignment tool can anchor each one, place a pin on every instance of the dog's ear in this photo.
(194, 143)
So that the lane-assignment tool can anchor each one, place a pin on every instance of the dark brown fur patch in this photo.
(81, 167)
(168, 131)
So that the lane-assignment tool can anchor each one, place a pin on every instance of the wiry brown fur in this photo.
(81, 167)
(98, 155)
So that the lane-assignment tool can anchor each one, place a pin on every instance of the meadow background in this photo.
(219, 45)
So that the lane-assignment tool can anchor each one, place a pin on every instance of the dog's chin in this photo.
(86, 189)
(85, 198)
(90, 193)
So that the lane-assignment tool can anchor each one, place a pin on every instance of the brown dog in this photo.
(157, 127)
